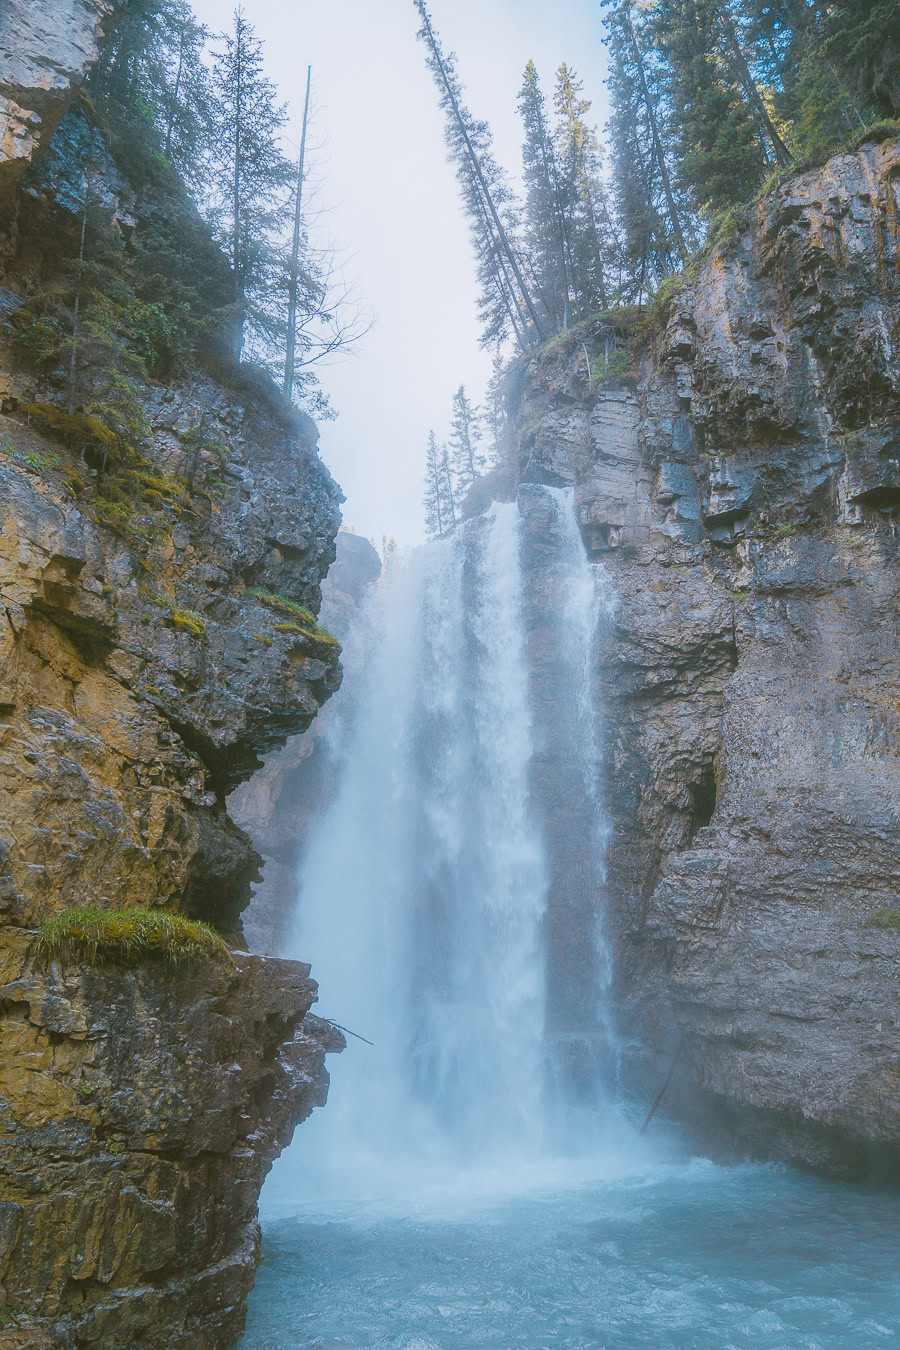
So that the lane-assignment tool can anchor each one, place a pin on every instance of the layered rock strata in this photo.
(742, 485)
(47, 48)
(151, 651)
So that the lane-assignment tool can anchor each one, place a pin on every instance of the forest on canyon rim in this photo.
(710, 103)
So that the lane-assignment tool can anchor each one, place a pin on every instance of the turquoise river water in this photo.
(649, 1255)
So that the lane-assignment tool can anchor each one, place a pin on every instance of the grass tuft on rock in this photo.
(281, 602)
(285, 605)
(311, 631)
(129, 937)
(188, 621)
(888, 919)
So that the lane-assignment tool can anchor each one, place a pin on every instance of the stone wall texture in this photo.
(47, 48)
(142, 678)
(742, 486)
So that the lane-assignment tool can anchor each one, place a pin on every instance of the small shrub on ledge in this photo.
(187, 621)
(129, 937)
(275, 601)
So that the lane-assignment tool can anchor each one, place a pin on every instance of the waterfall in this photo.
(450, 895)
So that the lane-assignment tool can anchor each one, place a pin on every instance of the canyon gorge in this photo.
(685, 574)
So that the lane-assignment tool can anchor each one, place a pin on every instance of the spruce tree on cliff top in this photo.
(436, 514)
(653, 218)
(507, 303)
(593, 246)
(546, 223)
(465, 440)
(250, 178)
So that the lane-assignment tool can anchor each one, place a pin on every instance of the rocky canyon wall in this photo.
(736, 464)
(143, 672)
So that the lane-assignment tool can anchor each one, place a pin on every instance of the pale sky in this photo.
(394, 205)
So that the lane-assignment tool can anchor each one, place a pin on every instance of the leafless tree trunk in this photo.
(295, 256)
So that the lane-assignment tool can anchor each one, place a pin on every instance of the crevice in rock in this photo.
(703, 796)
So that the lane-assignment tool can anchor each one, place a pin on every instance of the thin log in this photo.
(662, 1091)
(337, 1026)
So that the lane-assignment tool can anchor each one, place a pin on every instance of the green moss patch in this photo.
(127, 936)
(272, 600)
(283, 604)
(888, 919)
(313, 632)
(187, 621)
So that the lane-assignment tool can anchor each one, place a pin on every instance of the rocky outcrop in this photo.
(47, 48)
(742, 485)
(148, 1107)
(151, 651)
(275, 806)
(136, 691)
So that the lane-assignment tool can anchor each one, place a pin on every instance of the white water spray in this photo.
(467, 828)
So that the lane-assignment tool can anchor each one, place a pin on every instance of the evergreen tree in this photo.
(722, 159)
(465, 439)
(434, 501)
(495, 416)
(862, 37)
(654, 220)
(546, 224)
(151, 78)
(447, 488)
(592, 244)
(506, 304)
(250, 177)
(185, 95)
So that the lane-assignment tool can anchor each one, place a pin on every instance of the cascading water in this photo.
(430, 900)
(458, 1192)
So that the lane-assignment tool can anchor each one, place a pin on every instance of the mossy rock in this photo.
(94, 935)
(886, 919)
(283, 603)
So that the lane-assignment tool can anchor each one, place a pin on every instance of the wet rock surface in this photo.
(47, 48)
(143, 673)
(740, 486)
(141, 1112)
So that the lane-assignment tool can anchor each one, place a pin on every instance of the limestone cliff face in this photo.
(742, 486)
(47, 48)
(141, 678)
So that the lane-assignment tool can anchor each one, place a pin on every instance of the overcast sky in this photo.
(394, 206)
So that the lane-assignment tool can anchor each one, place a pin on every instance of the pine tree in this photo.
(465, 439)
(654, 220)
(495, 415)
(151, 78)
(592, 244)
(862, 37)
(185, 97)
(546, 225)
(722, 157)
(447, 488)
(436, 519)
(507, 304)
(250, 177)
